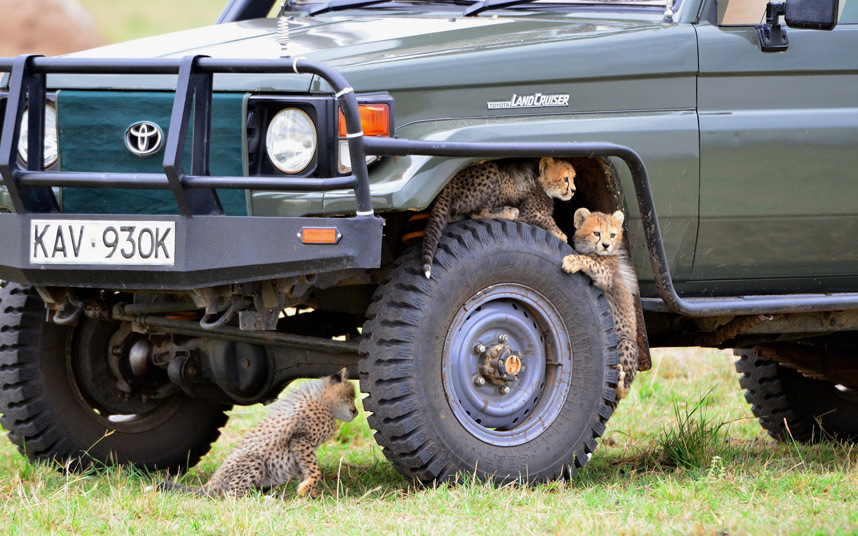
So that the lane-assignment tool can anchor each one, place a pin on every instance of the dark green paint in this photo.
(779, 153)
(92, 127)
(750, 155)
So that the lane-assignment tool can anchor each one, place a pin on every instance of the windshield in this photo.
(472, 8)
(653, 3)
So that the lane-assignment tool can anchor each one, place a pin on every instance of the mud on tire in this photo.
(432, 417)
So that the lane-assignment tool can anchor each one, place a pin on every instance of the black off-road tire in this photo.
(48, 419)
(403, 349)
(790, 405)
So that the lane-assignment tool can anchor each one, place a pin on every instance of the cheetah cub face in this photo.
(557, 178)
(340, 397)
(599, 233)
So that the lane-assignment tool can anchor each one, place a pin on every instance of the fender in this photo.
(411, 182)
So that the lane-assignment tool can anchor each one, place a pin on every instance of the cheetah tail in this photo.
(438, 219)
(171, 486)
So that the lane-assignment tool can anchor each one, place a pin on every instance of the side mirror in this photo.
(808, 14)
(811, 14)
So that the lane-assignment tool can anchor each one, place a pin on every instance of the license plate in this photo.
(149, 243)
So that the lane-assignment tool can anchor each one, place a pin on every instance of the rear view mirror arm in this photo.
(773, 36)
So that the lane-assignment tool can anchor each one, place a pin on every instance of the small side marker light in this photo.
(320, 235)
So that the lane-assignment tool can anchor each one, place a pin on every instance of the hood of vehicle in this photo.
(350, 42)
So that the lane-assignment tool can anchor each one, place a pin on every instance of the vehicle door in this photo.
(778, 155)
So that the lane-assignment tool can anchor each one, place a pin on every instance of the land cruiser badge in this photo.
(537, 100)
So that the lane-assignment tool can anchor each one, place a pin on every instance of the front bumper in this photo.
(210, 251)
(211, 248)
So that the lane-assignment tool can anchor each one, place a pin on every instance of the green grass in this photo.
(738, 482)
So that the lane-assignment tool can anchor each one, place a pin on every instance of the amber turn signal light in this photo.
(374, 120)
(320, 235)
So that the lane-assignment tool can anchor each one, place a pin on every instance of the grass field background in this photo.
(741, 483)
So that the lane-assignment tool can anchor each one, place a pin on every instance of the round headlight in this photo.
(291, 140)
(51, 138)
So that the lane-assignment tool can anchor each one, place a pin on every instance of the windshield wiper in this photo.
(479, 7)
(335, 5)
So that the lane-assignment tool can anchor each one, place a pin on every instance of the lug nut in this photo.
(504, 389)
(479, 380)
(503, 337)
(480, 348)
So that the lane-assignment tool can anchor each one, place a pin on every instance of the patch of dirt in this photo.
(48, 27)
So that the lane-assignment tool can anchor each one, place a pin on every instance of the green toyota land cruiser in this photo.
(191, 221)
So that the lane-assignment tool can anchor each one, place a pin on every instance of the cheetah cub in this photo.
(513, 189)
(599, 241)
(283, 445)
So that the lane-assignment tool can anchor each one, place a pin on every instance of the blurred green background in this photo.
(122, 20)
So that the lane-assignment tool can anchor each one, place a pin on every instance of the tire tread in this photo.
(399, 428)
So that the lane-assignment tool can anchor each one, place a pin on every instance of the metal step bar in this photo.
(670, 300)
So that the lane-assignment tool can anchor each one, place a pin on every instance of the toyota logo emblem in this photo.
(144, 138)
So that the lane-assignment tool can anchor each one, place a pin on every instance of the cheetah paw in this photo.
(562, 236)
(308, 489)
(622, 390)
(507, 213)
(571, 264)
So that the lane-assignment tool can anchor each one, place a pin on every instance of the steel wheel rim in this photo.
(533, 327)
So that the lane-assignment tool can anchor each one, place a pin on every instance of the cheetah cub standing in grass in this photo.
(512, 189)
(599, 241)
(283, 445)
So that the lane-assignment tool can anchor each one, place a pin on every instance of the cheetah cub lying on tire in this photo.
(599, 241)
(514, 189)
(283, 445)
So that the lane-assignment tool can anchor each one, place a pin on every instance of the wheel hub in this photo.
(139, 357)
(110, 369)
(507, 364)
(500, 364)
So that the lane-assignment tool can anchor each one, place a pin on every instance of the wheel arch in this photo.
(598, 188)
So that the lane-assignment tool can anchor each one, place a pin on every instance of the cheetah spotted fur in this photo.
(283, 445)
(598, 239)
(512, 189)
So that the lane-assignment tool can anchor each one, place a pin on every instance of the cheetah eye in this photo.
(597, 234)
(567, 180)
(613, 235)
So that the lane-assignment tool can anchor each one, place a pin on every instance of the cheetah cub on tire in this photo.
(599, 241)
(513, 189)
(283, 445)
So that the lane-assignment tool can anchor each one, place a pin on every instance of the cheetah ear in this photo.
(340, 376)
(544, 163)
(580, 215)
(618, 215)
